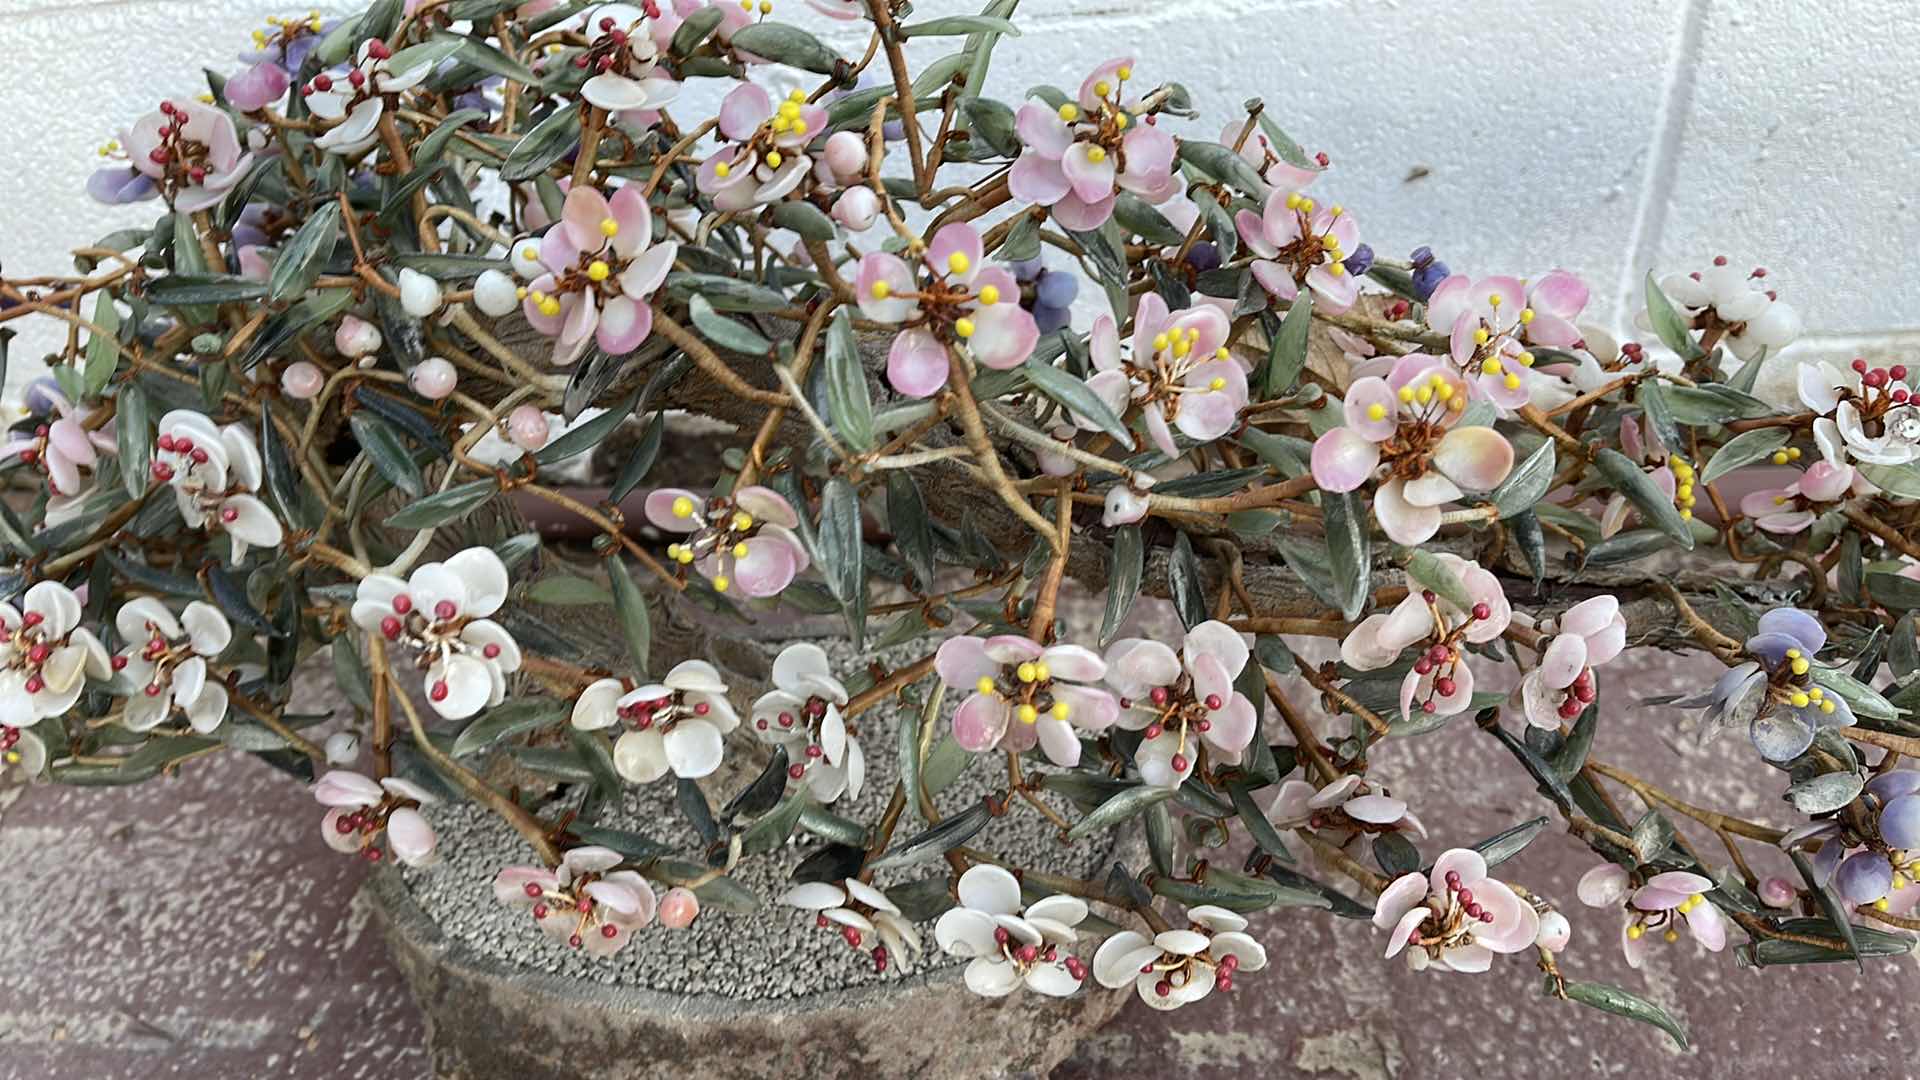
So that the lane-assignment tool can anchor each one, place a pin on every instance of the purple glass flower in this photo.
(1774, 693)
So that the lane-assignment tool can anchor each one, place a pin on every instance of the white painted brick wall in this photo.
(1605, 136)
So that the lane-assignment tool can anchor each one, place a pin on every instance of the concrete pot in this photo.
(487, 1019)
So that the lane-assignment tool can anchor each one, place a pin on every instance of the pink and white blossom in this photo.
(594, 273)
(1868, 415)
(439, 614)
(1179, 372)
(1562, 684)
(1736, 303)
(1407, 421)
(62, 446)
(23, 756)
(46, 656)
(625, 60)
(1179, 967)
(802, 715)
(1344, 813)
(167, 662)
(1489, 324)
(1791, 509)
(1077, 158)
(1184, 704)
(957, 300)
(190, 151)
(745, 539)
(766, 159)
(1297, 243)
(677, 725)
(361, 810)
(1666, 904)
(862, 913)
(584, 901)
(1441, 681)
(1008, 945)
(1454, 918)
(1023, 695)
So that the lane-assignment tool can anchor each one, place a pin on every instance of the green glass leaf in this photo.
(103, 352)
(630, 605)
(1625, 1003)
(567, 589)
(1073, 394)
(133, 434)
(1349, 551)
(937, 840)
(1527, 484)
(546, 143)
(841, 555)
(1744, 449)
(586, 436)
(848, 399)
(1184, 585)
(1655, 506)
(180, 289)
(506, 721)
(912, 529)
(1427, 569)
(640, 462)
(725, 293)
(1124, 573)
(301, 260)
(804, 218)
(1502, 846)
(992, 123)
(1668, 324)
(390, 456)
(1287, 356)
(955, 25)
(787, 45)
(449, 505)
(694, 30)
(1222, 164)
(1123, 806)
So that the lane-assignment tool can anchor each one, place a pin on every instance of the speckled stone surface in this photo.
(199, 927)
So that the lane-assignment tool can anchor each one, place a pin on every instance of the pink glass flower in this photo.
(1179, 371)
(1183, 704)
(1343, 813)
(1077, 158)
(678, 725)
(1789, 509)
(767, 158)
(1179, 967)
(257, 87)
(352, 104)
(439, 614)
(1441, 681)
(746, 538)
(1298, 244)
(1012, 678)
(1591, 633)
(1554, 301)
(1487, 324)
(957, 300)
(584, 902)
(1455, 917)
(1665, 904)
(62, 446)
(361, 810)
(1406, 421)
(190, 151)
(599, 267)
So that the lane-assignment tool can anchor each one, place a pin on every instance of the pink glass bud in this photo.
(356, 337)
(1555, 931)
(846, 155)
(301, 381)
(1776, 892)
(433, 378)
(679, 908)
(527, 427)
(857, 208)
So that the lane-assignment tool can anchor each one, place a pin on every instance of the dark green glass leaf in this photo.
(442, 507)
(1668, 324)
(1349, 551)
(640, 462)
(1527, 483)
(912, 531)
(1287, 357)
(1122, 806)
(133, 434)
(390, 456)
(506, 721)
(787, 45)
(936, 841)
(549, 141)
(1744, 449)
(630, 604)
(1184, 584)
(1655, 506)
(847, 397)
(1124, 573)
(1628, 1004)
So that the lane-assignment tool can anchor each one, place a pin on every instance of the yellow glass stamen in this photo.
(880, 290)
(682, 507)
(597, 270)
(1025, 672)
(1526, 315)
(773, 159)
(1060, 710)
(990, 295)
(1096, 154)
(1029, 714)
(740, 550)
(1376, 411)
(609, 227)
(963, 327)
(720, 583)
(985, 685)
(1069, 112)
(958, 262)
(742, 520)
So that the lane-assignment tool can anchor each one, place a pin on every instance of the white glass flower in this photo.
(355, 101)
(214, 472)
(440, 615)
(46, 656)
(802, 715)
(359, 809)
(1179, 967)
(625, 61)
(166, 660)
(676, 725)
(23, 757)
(859, 909)
(1009, 946)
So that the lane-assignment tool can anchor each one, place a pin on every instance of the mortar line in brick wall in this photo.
(1663, 162)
